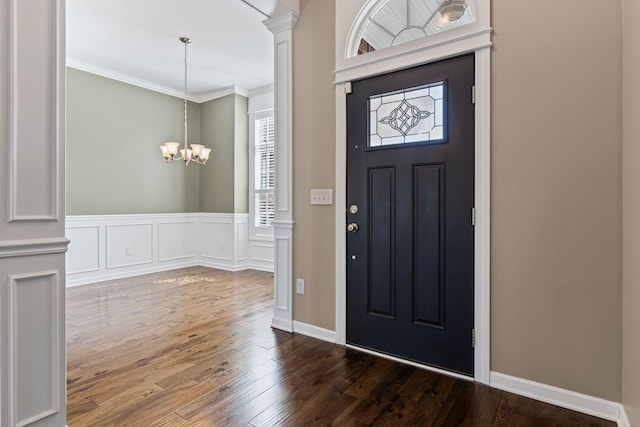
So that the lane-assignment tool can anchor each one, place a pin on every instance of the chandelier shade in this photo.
(198, 152)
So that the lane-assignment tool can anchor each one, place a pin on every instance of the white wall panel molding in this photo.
(261, 255)
(32, 241)
(83, 255)
(177, 240)
(586, 404)
(36, 110)
(282, 28)
(33, 347)
(224, 240)
(129, 245)
(283, 277)
(106, 247)
(216, 240)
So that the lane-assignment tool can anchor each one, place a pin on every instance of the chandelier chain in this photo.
(185, 94)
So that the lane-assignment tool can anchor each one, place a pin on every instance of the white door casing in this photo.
(474, 37)
(32, 242)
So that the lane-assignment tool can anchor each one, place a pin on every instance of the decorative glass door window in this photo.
(414, 115)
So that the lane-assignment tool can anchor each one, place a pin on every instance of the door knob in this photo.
(352, 228)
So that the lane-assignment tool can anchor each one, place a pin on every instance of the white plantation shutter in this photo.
(264, 170)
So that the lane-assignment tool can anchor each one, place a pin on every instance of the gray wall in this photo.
(555, 189)
(556, 200)
(314, 161)
(223, 183)
(114, 165)
(631, 212)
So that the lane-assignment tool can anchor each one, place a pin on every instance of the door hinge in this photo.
(473, 216)
(473, 94)
(347, 88)
(473, 338)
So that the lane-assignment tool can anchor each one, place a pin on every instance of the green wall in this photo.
(241, 157)
(114, 165)
(224, 186)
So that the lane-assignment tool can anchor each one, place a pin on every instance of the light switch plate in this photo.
(322, 197)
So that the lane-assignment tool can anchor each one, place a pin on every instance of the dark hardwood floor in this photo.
(193, 347)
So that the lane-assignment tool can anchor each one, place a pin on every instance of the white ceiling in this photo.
(137, 41)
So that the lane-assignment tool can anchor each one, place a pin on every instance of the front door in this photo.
(410, 188)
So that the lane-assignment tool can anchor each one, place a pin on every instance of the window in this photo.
(393, 22)
(414, 115)
(262, 173)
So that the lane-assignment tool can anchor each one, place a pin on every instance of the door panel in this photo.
(381, 250)
(428, 255)
(410, 171)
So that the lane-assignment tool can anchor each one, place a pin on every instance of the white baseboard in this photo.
(601, 408)
(282, 325)
(314, 331)
(77, 281)
(624, 418)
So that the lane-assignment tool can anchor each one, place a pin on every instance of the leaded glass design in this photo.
(414, 115)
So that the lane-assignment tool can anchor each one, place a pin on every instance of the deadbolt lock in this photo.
(353, 209)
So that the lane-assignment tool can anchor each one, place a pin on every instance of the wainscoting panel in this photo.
(242, 239)
(84, 253)
(261, 255)
(105, 247)
(177, 240)
(33, 344)
(217, 239)
(129, 245)
(34, 84)
(224, 241)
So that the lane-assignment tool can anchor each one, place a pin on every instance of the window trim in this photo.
(256, 233)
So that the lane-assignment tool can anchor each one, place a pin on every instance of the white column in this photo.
(282, 28)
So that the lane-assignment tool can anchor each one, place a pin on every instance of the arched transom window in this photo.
(393, 22)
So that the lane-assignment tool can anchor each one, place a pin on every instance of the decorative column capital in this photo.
(282, 22)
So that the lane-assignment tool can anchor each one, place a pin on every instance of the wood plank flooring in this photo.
(193, 347)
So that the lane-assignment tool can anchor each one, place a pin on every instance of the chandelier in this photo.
(198, 153)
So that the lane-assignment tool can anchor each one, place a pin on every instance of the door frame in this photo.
(397, 58)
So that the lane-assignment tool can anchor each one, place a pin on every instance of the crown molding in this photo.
(219, 93)
(198, 98)
(261, 90)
